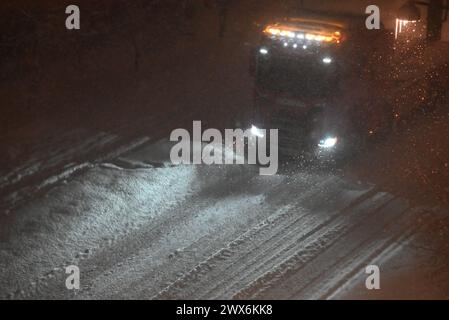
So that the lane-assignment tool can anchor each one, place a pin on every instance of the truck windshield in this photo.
(310, 75)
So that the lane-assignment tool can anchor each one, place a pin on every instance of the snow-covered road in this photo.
(138, 227)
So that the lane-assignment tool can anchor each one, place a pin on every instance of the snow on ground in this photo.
(77, 218)
(139, 227)
(61, 158)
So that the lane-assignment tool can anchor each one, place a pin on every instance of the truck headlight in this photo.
(327, 60)
(263, 51)
(328, 143)
(257, 132)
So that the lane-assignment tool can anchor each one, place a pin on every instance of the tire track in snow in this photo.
(217, 264)
(207, 244)
(314, 241)
(30, 184)
(301, 280)
(281, 242)
(382, 251)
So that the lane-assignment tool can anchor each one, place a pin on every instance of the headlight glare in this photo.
(328, 143)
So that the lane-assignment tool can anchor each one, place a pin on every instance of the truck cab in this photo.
(310, 75)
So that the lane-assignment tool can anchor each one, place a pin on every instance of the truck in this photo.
(321, 80)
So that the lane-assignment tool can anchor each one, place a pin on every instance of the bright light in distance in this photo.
(257, 132)
(327, 60)
(400, 26)
(263, 51)
(328, 143)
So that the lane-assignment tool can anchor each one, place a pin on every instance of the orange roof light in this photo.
(272, 31)
(291, 32)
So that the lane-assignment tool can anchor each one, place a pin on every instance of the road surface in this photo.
(139, 227)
